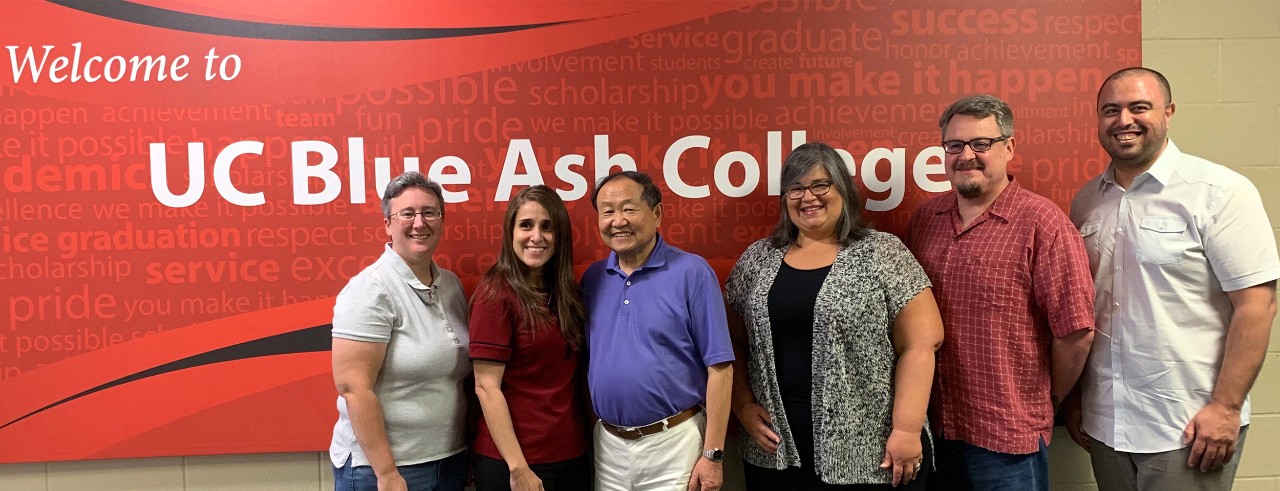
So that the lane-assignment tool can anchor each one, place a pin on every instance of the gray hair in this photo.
(980, 106)
(800, 163)
(409, 180)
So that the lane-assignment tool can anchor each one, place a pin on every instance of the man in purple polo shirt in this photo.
(659, 350)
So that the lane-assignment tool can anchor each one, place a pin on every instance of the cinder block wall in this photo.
(1221, 57)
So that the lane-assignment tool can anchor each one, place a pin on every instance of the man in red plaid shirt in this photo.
(1012, 281)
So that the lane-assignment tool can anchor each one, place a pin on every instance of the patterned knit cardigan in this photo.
(853, 357)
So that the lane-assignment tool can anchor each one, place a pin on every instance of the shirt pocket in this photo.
(1092, 241)
(1001, 281)
(1162, 239)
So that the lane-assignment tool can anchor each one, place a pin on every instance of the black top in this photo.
(791, 303)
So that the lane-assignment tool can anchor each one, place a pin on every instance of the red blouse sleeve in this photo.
(493, 328)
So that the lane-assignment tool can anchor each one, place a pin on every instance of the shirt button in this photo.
(628, 282)
(1120, 230)
(1117, 304)
(626, 302)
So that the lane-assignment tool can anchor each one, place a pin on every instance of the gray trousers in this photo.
(1164, 471)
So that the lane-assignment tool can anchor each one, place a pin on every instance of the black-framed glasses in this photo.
(978, 145)
(428, 215)
(818, 188)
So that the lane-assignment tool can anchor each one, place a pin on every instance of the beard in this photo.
(969, 190)
(1143, 154)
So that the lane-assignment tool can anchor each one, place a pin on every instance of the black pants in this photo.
(805, 479)
(569, 475)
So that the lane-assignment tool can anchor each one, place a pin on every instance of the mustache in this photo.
(972, 164)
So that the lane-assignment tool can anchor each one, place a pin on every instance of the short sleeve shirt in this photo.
(652, 334)
(539, 380)
(420, 385)
(1007, 285)
(1164, 253)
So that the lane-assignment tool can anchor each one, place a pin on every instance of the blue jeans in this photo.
(447, 474)
(965, 467)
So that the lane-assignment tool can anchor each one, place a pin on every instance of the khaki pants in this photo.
(1164, 471)
(659, 462)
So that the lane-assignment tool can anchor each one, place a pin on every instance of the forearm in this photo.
(365, 412)
(1245, 350)
(497, 416)
(912, 382)
(719, 386)
(1067, 357)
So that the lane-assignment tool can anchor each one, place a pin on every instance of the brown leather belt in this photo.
(643, 431)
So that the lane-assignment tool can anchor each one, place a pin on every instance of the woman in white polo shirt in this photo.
(400, 357)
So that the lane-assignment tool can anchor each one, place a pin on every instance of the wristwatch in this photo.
(715, 455)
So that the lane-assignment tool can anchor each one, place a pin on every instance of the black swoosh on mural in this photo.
(306, 340)
(184, 21)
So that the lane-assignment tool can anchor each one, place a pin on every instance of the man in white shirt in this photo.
(1184, 264)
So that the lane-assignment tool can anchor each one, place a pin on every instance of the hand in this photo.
(1073, 415)
(523, 479)
(392, 482)
(707, 475)
(757, 423)
(1212, 434)
(903, 454)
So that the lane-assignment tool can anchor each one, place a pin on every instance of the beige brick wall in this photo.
(1221, 57)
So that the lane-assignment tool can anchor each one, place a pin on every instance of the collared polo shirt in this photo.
(1163, 254)
(1007, 285)
(420, 383)
(652, 334)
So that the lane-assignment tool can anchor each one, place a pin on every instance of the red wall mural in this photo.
(186, 184)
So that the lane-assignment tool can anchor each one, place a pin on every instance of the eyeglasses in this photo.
(818, 188)
(428, 215)
(978, 145)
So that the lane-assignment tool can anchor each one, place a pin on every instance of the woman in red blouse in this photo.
(526, 339)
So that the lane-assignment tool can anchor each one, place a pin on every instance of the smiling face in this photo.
(414, 240)
(977, 175)
(1133, 120)
(627, 224)
(533, 237)
(815, 216)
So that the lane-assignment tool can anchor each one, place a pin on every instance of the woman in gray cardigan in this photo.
(838, 326)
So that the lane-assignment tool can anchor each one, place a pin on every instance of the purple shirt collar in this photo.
(657, 259)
